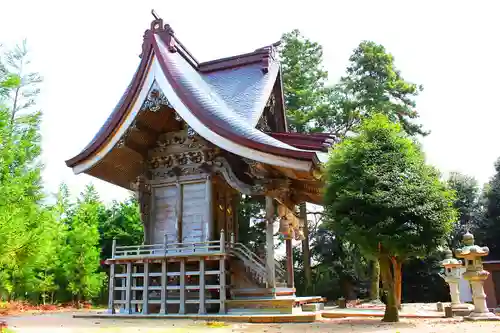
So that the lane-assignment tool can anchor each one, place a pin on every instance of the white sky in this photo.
(87, 52)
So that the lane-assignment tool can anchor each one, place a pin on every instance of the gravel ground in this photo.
(64, 323)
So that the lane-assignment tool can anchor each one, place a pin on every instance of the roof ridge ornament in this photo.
(164, 31)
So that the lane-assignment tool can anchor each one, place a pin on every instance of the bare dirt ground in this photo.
(65, 323)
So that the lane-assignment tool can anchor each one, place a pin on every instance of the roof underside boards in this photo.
(244, 89)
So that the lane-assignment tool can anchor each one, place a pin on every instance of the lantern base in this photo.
(482, 316)
(462, 309)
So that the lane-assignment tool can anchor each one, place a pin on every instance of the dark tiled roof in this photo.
(245, 89)
(227, 95)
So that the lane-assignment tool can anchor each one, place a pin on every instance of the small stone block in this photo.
(439, 307)
(448, 313)
(312, 307)
(342, 303)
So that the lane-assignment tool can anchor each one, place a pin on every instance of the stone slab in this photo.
(344, 313)
(243, 318)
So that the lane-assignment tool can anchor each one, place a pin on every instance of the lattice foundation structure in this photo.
(168, 285)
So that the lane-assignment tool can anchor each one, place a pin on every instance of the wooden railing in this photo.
(169, 249)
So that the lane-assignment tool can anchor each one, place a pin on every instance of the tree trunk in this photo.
(396, 268)
(375, 281)
(306, 253)
(391, 309)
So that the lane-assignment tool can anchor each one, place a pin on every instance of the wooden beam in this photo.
(182, 291)
(222, 291)
(289, 263)
(128, 291)
(178, 208)
(150, 133)
(145, 290)
(270, 264)
(163, 309)
(111, 298)
(202, 309)
(127, 143)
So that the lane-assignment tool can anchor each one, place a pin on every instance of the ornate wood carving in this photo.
(155, 100)
(290, 225)
(179, 154)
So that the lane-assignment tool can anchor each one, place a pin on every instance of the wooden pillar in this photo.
(210, 225)
(222, 279)
(182, 290)
(202, 309)
(111, 297)
(222, 272)
(289, 264)
(145, 289)
(270, 264)
(163, 292)
(128, 290)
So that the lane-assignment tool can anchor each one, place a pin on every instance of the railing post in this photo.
(232, 240)
(163, 294)
(165, 239)
(113, 248)
(222, 286)
(202, 309)
(111, 297)
(222, 241)
(128, 291)
(145, 289)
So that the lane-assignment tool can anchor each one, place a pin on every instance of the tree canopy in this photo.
(382, 196)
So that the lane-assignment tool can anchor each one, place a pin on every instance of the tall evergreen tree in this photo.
(23, 219)
(121, 221)
(488, 232)
(81, 255)
(382, 196)
(467, 205)
(373, 84)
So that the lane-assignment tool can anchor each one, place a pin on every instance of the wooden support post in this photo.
(222, 278)
(163, 292)
(111, 297)
(182, 290)
(165, 241)
(178, 212)
(270, 264)
(289, 264)
(113, 248)
(135, 306)
(202, 309)
(222, 241)
(209, 203)
(145, 289)
(128, 290)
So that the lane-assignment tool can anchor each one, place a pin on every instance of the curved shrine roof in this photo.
(227, 96)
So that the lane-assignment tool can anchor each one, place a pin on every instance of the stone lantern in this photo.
(452, 276)
(476, 275)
